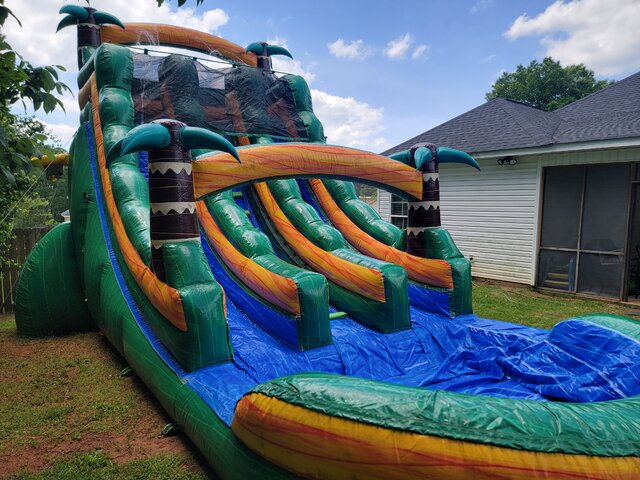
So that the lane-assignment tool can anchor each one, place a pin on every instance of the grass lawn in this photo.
(67, 414)
(520, 304)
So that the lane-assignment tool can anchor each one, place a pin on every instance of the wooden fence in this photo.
(25, 239)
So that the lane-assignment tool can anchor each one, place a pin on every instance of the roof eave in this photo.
(561, 148)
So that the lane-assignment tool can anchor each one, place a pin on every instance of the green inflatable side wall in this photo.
(363, 214)
(440, 245)
(49, 297)
(313, 291)
(388, 316)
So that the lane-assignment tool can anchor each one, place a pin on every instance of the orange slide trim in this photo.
(279, 290)
(356, 278)
(159, 34)
(163, 297)
(426, 270)
(218, 171)
(312, 444)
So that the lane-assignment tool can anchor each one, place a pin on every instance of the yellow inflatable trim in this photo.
(356, 278)
(315, 445)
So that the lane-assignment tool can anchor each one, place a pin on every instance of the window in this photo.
(584, 229)
(398, 211)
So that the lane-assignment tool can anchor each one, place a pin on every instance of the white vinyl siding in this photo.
(384, 205)
(493, 215)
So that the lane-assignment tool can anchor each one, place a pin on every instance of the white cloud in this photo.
(285, 64)
(499, 73)
(279, 41)
(64, 132)
(356, 49)
(350, 122)
(419, 51)
(481, 6)
(488, 58)
(70, 103)
(605, 36)
(38, 42)
(398, 47)
(347, 120)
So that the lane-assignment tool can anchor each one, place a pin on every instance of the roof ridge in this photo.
(561, 121)
(531, 129)
(518, 102)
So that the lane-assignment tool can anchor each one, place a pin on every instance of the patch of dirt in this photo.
(143, 441)
(135, 438)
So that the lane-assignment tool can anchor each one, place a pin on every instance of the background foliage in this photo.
(27, 198)
(547, 85)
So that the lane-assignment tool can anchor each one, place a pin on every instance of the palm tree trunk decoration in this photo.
(264, 52)
(425, 213)
(171, 197)
(88, 21)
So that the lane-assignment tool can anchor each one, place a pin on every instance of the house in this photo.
(557, 203)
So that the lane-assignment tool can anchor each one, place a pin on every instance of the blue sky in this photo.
(380, 71)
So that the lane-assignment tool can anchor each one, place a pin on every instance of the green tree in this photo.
(23, 138)
(55, 191)
(547, 85)
(32, 211)
(20, 81)
(32, 199)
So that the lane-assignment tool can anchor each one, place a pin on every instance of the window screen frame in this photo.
(634, 171)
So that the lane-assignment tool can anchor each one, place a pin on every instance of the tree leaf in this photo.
(52, 71)
(3, 137)
(6, 176)
(4, 14)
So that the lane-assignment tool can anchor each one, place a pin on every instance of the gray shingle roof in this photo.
(501, 124)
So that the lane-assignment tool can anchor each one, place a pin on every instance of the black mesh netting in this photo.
(235, 101)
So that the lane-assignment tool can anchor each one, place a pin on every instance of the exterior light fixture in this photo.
(507, 161)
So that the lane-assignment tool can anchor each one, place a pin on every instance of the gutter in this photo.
(562, 148)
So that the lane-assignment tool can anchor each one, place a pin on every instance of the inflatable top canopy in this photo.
(219, 243)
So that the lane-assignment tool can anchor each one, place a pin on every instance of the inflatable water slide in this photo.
(217, 241)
